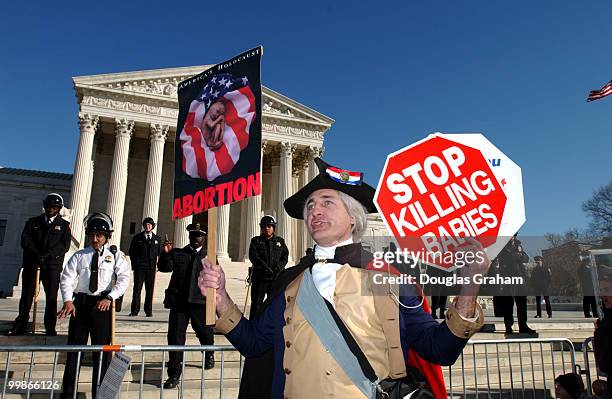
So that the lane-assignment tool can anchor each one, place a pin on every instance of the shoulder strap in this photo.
(336, 341)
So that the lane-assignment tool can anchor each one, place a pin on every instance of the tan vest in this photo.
(373, 320)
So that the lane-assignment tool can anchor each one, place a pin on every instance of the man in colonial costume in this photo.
(296, 347)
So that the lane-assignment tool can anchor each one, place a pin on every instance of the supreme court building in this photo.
(125, 160)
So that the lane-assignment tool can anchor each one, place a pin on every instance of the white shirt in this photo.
(324, 274)
(50, 220)
(78, 270)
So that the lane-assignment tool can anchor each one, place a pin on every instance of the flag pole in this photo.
(211, 254)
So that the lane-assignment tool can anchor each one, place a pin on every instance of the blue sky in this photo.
(388, 73)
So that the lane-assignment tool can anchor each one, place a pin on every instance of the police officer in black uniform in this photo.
(511, 264)
(184, 299)
(101, 273)
(268, 255)
(45, 241)
(145, 248)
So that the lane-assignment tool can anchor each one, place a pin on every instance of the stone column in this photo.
(181, 237)
(118, 180)
(295, 230)
(285, 190)
(253, 213)
(313, 171)
(80, 181)
(223, 231)
(158, 136)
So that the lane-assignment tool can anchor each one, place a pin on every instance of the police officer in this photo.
(101, 273)
(268, 255)
(45, 241)
(184, 299)
(146, 246)
(511, 263)
(541, 276)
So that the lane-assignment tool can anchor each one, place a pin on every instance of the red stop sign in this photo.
(435, 193)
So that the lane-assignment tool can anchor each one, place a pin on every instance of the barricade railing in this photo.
(509, 368)
(590, 370)
(38, 369)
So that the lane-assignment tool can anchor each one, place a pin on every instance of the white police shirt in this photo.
(78, 269)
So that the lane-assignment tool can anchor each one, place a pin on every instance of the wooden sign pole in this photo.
(211, 254)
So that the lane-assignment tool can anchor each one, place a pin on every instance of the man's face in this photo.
(148, 227)
(267, 230)
(51, 210)
(327, 219)
(196, 239)
(97, 240)
(539, 262)
(605, 292)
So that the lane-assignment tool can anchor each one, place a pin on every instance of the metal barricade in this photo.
(509, 368)
(590, 369)
(30, 370)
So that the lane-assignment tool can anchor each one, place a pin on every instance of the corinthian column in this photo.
(313, 171)
(158, 136)
(285, 190)
(223, 231)
(181, 237)
(82, 173)
(253, 216)
(119, 172)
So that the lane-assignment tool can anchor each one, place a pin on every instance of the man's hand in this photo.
(67, 310)
(167, 246)
(477, 262)
(212, 276)
(103, 305)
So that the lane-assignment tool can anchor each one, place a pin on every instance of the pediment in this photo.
(161, 85)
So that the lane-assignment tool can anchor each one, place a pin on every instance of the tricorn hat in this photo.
(331, 177)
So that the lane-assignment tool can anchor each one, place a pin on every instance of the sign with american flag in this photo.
(603, 92)
(218, 140)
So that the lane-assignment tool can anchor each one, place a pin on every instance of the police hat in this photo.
(148, 220)
(99, 222)
(267, 220)
(196, 228)
(331, 177)
(53, 199)
(538, 257)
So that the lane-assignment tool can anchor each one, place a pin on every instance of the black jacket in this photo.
(511, 264)
(540, 276)
(602, 345)
(45, 244)
(268, 256)
(143, 254)
(185, 265)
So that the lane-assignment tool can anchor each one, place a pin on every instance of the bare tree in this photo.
(599, 208)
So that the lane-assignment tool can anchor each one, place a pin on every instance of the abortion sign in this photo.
(438, 191)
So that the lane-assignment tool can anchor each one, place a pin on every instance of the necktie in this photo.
(93, 278)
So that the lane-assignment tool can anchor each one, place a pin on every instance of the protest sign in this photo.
(218, 138)
(434, 193)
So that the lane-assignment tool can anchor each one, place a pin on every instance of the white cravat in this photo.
(324, 274)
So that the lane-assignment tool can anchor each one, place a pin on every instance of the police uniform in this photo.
(111, 269)
(45, 242)
(511, 264)
(268, 257)
(144, 251)
(186, 302)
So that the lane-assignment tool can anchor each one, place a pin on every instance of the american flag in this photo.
(200, 161)
(597, 94)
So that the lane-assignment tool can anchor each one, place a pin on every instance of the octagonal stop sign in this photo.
(434, 193)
